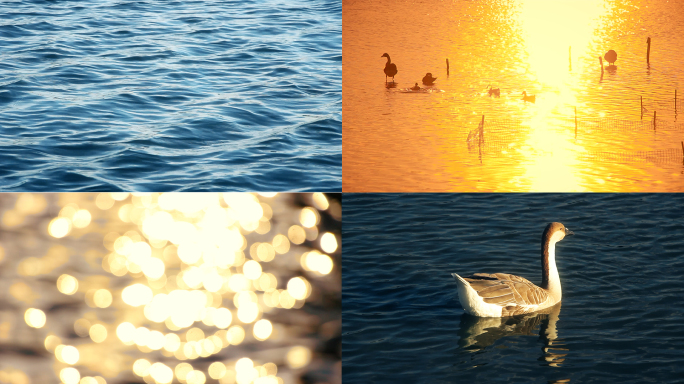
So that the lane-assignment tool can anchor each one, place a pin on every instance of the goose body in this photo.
(531, 98)
(502, 294)
(428, 79)
(390, 68)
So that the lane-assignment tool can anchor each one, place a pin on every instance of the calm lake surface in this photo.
(622, 309)
(399, 140)
(170, 95)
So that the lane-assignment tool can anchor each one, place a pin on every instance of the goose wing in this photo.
(516, 294)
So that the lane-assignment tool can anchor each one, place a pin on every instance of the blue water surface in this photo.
(170, 95)
(621, 319)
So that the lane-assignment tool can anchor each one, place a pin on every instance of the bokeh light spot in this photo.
(98, 333)
(34, 318)
(298, 357)
(67, 284)
(59, 227)
(262, 329)
(69, 375)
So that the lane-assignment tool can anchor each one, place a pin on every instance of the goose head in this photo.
(555, 232)
(385, 55)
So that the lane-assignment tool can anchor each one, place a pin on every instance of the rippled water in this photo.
(620, 319)
(170, 95)
(399, 140)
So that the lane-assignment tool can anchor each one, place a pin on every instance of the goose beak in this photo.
(568, 232)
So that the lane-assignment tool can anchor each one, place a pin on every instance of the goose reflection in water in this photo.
(478, 333)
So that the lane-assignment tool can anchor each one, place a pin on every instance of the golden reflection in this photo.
(168, 287)
(549, 30)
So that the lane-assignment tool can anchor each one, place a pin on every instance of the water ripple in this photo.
(621, 313)
(155, 95)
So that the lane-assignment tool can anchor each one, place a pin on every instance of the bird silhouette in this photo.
(390, 68)
(531, 98)
(494, 91)
(415, 87)
(611, 57)
(428, 79)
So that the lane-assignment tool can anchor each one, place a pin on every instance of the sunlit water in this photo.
(619, 320)
(160, 288)
(398, 140)
(170, 95)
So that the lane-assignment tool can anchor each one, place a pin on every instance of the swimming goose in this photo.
(501, 294)
(531, 98)
(415, 87)
(428, 79)
(390, 68)
(611, 57)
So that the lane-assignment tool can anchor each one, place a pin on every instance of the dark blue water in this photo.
(170, 95)
(622, 275)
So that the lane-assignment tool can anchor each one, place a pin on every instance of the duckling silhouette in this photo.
(531, 98)
(415, 87)
(390, 68)
(428, 79)
(494, 91)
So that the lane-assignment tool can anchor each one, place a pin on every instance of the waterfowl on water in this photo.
(494, 91)
(415, 87)
(428, 79)
(531, 98)
(501, 294)
(390, 68)
(611, 57)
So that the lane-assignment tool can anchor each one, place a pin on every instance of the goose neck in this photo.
(550, 278)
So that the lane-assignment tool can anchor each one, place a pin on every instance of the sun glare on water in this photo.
(555, 32)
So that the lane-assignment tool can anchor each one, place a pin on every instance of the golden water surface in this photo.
(396, 139)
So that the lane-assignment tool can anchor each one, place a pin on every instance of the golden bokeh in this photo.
(328, 242)
(69, 375)
(59, 227)
(35, 318)
(67, 284)
(170, 287)
(102, 298)
(98, 333)
(263, 329)
(68, 354)
(308, 217)
(298, 357)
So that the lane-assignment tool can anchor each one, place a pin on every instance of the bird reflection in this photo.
(477, 333)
